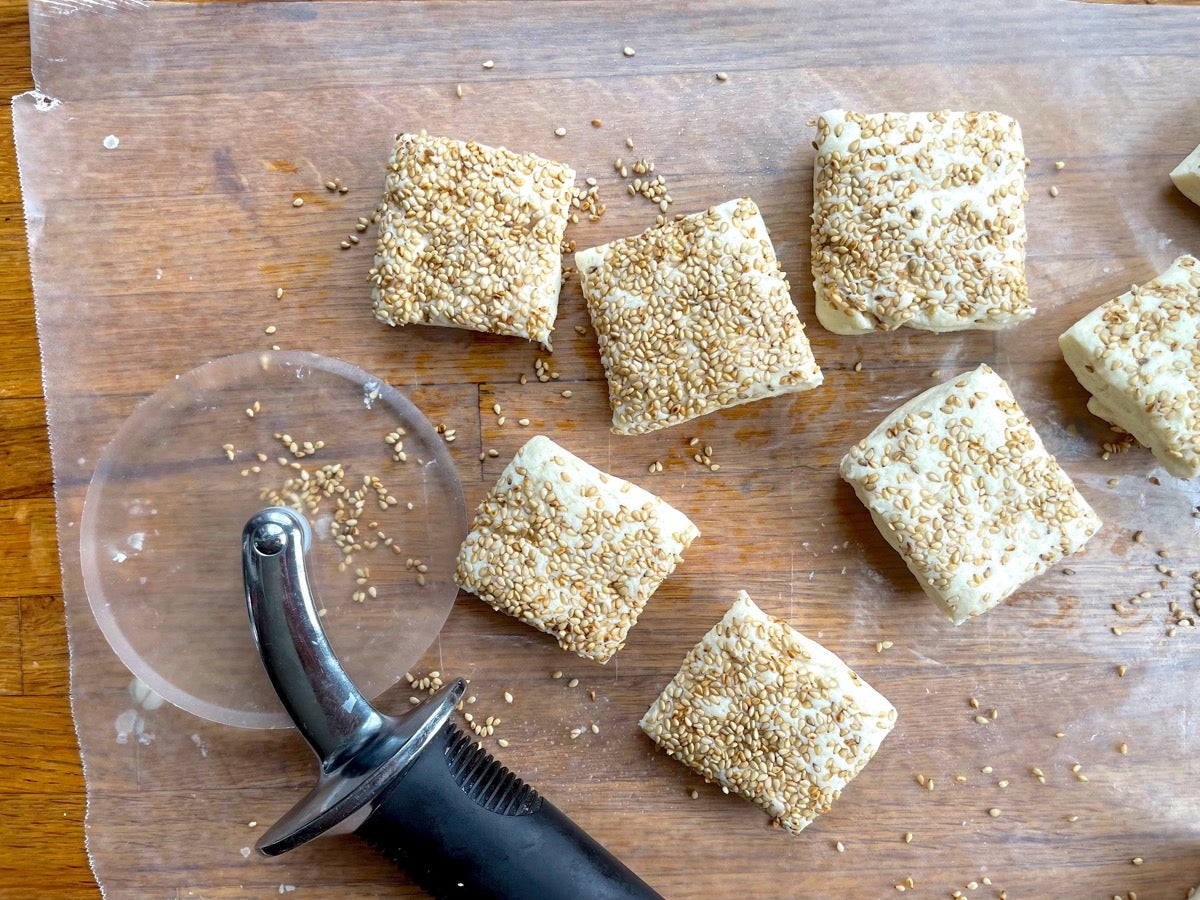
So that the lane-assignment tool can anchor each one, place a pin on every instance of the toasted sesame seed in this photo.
(1121, 670)
(908, 836)
(458, 90)
(1123, 748)
(278, 293)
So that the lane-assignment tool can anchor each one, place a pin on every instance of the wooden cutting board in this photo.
(166, 250)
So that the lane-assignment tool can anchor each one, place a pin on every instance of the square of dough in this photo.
(1186, 176)
(1139, 358)
(771, 715)
(471, 237)
(959, 483)
(919, 220)
(694, 315)
(571, 551)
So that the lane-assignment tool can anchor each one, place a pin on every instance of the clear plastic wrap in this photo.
(161, 158)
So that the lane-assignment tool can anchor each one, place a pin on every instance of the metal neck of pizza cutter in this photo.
(361, 750)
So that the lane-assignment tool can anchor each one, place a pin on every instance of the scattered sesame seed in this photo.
(1053, 190)
(1060, 165)
(574, 682)
(502, 742)
(488, 64)
(629, 51)
(994, 812)
(1137, 860)
(694, 794)
(458, 91)
(840, 847)
(722, 76)
(1123, 748)
(508, 697)
(908, 837)
(560, 132)
(299, 201)
(1121, 670)
(270, 329)
(278, 293)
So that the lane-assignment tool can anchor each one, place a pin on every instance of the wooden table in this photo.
(42, 801)
(42, 804)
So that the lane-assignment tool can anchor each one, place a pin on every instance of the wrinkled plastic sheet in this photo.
(160, 157)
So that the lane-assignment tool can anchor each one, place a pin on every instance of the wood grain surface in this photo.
(1042, 665)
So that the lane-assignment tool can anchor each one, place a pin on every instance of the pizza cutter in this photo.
(415, 787)
(242, 444)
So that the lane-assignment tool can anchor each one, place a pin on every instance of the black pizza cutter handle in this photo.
(415, 787)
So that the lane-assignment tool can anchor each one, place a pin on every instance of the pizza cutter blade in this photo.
(171, 493)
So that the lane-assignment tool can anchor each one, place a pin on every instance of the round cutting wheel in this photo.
(162, 525)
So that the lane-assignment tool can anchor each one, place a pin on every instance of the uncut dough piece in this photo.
(768, 713)
(1139, 358)
(1186, 176)
(571, 551)
(694, 315)
(959, 483)
(471, 237)
(919, 221)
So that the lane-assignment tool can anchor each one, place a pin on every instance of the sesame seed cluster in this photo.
(694, 315)
(959, 483)
(1139, 357)
(919, 221)
(470, 237)
(570, 550)
(766, 712)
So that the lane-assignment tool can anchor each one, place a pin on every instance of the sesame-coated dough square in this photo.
(1139, 357)
(1186, 176)
(768, 713)
(570, 550)
(919, 220)
(694, 315)
(471, 237)
(959, 483)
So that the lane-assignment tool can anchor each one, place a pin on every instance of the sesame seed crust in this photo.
(1139, 357)
(694, 315)
(470, 237)
(919, 221)
(570, 550)
(959, 483)
(768, 713)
